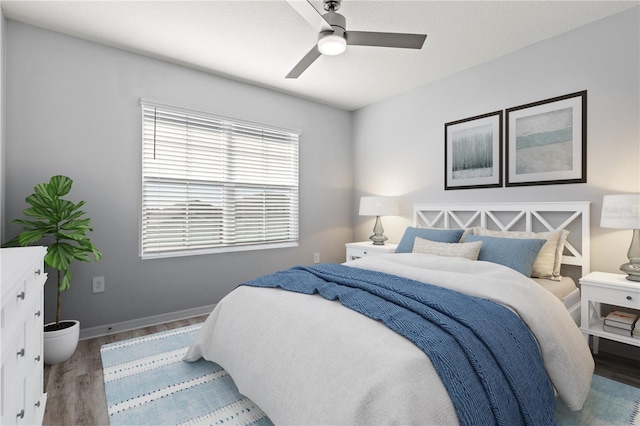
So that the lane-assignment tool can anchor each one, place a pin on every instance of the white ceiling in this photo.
(260, 41)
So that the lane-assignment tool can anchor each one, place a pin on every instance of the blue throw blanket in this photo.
(485, 355)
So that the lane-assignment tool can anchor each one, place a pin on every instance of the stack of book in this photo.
(624, 323)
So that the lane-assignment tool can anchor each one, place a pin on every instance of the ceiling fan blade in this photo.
(367, 38)
(304, 63)
(310, 14)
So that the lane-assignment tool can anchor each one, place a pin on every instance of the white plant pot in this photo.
(59, 345)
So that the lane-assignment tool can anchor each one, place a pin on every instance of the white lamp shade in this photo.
(332, 45)
(621, 211)
(378, 206)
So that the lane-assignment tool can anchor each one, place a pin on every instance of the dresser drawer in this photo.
(35, 399)
(624, 298)
(13, 342)
(13, 380)
(12, 306)
(13, 406)
(358, 252)
(364, 249)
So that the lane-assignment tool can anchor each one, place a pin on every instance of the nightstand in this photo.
(366, 248)
(610, 289)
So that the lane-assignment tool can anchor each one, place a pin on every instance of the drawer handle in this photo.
(365, 253)
(38, 271)
(629, 297)
(38, 314)
(21, 295)
(20, 415)
(38, 358)
(37, 404)
(21, 353)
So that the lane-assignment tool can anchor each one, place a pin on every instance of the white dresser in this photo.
(22, 321)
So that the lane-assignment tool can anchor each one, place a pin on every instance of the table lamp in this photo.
(378, 206)
(623, 212)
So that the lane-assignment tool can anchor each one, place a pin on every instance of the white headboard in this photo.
(537, 216)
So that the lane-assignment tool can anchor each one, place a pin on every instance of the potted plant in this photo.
(60, 225)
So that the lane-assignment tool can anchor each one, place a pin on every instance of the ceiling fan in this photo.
(333, 36)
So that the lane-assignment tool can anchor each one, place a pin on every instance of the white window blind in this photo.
(213, 184)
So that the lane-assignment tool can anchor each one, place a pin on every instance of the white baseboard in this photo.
(104, 330)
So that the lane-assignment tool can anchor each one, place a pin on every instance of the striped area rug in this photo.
(147, 383)
(608, 403)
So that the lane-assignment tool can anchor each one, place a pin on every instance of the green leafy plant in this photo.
(60, 225)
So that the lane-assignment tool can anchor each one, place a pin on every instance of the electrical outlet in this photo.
(316, 257)
(98, 284)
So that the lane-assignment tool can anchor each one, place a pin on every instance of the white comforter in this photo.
(307, 360)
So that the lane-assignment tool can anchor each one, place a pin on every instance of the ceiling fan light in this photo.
(332, 45)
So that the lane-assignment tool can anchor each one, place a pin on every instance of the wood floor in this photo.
(75, 389)
(618, 368)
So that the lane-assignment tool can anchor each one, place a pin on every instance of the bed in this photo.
(306, 348)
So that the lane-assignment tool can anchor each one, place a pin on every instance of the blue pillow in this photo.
(439, 235)
(516, 253)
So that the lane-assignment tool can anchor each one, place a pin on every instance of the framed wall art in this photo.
(547, 141)
(473, 152)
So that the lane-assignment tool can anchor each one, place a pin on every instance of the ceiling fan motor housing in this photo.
(337, 21)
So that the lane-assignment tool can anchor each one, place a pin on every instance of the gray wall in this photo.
(399, 143)
(73, 108)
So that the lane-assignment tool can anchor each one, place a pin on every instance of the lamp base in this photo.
(378, 237)
(632, 270)
(378, 240)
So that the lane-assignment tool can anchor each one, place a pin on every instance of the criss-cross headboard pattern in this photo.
(536, 216)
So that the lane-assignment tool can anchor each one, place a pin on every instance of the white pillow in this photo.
(465, 250)
(548, 262)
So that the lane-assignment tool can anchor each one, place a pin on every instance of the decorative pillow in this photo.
(516, 253)
(559, 252)
(466, 250)
(548, 262)
(467, 232)
(439, 235)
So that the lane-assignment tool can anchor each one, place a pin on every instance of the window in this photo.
(212, 184)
